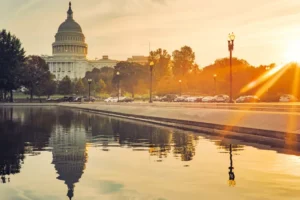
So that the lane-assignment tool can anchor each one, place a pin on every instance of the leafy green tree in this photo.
(183, 61)
(12, 57)
(49, 85)
(79, 87)
(105, 73)
(100, 86)
(34, 74)
(65, 86)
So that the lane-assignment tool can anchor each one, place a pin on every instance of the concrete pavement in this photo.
(263, 123)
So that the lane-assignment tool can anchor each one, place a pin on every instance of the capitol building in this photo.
(69, 52)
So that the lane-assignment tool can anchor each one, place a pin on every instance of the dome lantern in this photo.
(70, 11)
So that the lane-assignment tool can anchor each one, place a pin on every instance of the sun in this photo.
(292, 52)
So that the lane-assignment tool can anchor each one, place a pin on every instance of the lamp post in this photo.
(231, 180)
(215, 82)
(180, 87)
(89, 82)
(231, 38)
(118, 75)
(151, 74)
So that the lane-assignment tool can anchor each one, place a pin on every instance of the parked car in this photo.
(111, 99)
(63, 99)
(221, 98)
(156, 98)
(180, 98)
(126, 99)
(51, 99)
(91, 98)
(208, 99)
(248, 99)
(199, 99)
(169, 98)
(191, 99)
(288, 98)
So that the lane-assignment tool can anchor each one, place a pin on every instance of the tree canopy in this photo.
(12, 56)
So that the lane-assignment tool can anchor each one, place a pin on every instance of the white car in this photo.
(208, 99)
(191, 99)
(288, 98)
(111, 99)
(221, 98)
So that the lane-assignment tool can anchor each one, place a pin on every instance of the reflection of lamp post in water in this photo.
(231, 180)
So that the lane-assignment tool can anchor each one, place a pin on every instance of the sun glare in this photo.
(292, 52)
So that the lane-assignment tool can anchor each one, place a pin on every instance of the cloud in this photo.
(164, 2)
(27, 5)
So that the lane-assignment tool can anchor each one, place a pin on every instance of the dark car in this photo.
(169, 98)
(63, 99)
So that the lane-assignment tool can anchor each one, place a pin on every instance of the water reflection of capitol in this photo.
(69, 155)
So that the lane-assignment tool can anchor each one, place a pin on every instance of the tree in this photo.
(34, 74)
(79, 87)
(12, 57)
(65, 86)
(183, 61)
(130, 74)
(161, 59)
(100, 86)
(49, 85)
(105, 73)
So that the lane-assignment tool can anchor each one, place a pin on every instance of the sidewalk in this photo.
(263, 123)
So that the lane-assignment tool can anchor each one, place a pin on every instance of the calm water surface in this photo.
(57, 154)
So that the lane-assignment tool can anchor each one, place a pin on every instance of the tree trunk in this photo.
(11, 96)
(1, 95)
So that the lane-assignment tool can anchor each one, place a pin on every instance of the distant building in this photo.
(69, 52)
(143, 60)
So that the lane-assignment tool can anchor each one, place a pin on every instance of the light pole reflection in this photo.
(231, 181)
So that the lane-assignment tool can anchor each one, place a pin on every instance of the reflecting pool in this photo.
(53, 153)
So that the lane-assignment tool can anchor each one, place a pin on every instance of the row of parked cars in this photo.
(186, 98)
(73, 99)
(220, 98)
(120, 99)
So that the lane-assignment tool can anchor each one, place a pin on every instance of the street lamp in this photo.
(151, 74)
(231, 38)
(89, 82)
(231, 180)
(215, 82)
(180, 86)
(118, 75)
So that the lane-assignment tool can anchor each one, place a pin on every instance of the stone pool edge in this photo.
(251, 135)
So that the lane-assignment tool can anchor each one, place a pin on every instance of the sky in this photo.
(266, 31)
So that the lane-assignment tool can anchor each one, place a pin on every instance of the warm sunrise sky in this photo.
(266, 30)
